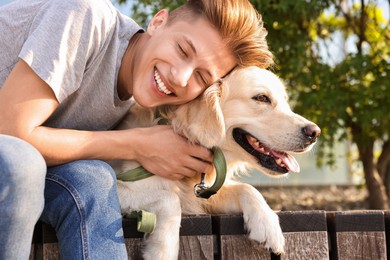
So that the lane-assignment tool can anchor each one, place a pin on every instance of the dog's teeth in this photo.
(257, 144)
(278, 161)
(252, 139)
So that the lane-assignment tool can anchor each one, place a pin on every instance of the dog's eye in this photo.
(262, 98)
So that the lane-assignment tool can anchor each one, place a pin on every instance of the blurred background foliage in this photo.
(334, 56)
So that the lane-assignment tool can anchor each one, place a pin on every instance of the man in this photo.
(67, 72)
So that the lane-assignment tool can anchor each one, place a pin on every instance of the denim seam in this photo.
(73, 192)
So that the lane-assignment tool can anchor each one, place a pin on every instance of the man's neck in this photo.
(125, 75)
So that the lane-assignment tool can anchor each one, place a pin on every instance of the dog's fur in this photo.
(249, 101)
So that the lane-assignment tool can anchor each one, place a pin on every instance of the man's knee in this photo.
(89, 179)
(98, 168)
(20, 163)
(22, 174)
(101, 178)
(79, 187)
(86, 171)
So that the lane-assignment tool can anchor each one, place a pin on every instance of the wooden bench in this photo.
(309, 235)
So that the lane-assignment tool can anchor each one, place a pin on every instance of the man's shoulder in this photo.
(86, 8)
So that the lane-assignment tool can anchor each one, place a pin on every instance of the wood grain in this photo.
(305, 234)
(310, 235)
(357, 235)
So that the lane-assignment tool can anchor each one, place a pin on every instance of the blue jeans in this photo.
(78, 199)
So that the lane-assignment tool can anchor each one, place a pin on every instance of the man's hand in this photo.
(163, 152)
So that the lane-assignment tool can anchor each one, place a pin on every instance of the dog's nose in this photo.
(311, 132)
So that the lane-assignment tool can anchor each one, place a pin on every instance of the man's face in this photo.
(178, 61)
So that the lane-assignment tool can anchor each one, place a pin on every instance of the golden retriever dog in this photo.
(247, 116)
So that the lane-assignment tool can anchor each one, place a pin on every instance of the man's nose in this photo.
(181, 74)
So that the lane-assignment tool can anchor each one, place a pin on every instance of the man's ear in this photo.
(158, 20)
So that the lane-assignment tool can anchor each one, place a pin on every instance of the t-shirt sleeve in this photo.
(64, 39)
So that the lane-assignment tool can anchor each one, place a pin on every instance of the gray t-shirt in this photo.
(76, 47)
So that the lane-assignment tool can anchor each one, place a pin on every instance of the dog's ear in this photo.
(201, 120)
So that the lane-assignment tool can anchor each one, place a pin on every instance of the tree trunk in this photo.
(383, 166)
(386, 180)
(377, 196)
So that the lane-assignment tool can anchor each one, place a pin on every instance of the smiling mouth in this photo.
(278, 162)
(160, 84)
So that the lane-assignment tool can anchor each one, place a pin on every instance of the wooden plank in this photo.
(196, 239)
(357, 235)
(354, 235)
(306, 245)
(44, 244)
(50, 249)
(133, 239)
(387, 232)
(305, 233)
(134, 248)
(33, 251)
(233, 242)
(36, 246)
(191, 247)
(196, 247)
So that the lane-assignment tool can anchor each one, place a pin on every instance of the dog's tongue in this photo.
(288, 160)
(291, 163)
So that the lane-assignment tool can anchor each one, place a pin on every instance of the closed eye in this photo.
(262, 98)
(202, 79)
(181, 51)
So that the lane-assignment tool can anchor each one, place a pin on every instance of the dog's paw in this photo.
(266, 230)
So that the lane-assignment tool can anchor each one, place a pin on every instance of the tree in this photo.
(142, 10)
(345, 94)
(335, 57)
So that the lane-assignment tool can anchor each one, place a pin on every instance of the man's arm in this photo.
(27, 102)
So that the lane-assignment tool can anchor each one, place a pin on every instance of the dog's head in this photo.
(260, 123)
(248, 117)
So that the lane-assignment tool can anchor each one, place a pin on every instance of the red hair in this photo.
(239, 24)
